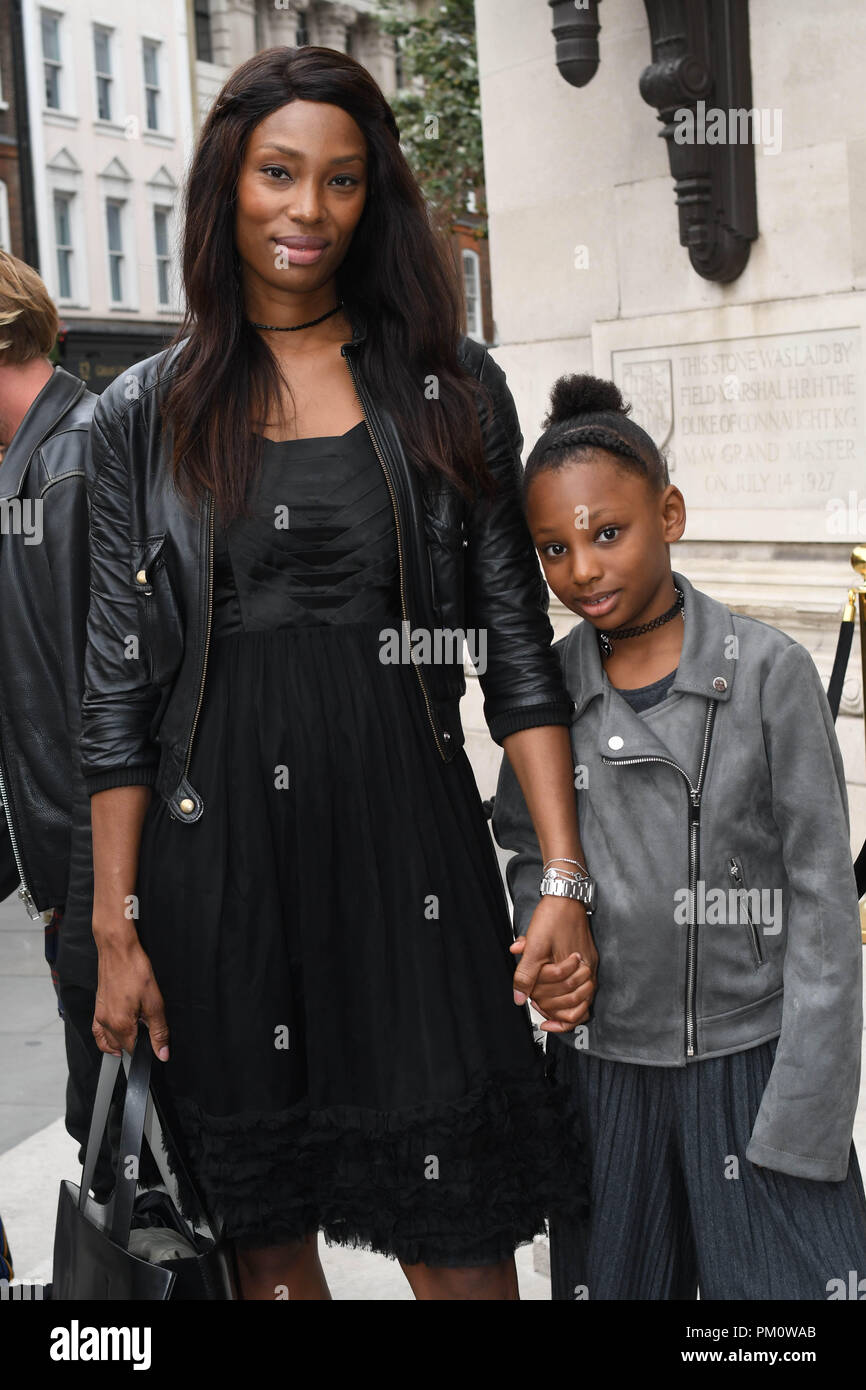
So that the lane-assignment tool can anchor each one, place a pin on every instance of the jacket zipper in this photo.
(207, 632)
(23, 891)
(694, 832)
(399, 545)
(753, 931)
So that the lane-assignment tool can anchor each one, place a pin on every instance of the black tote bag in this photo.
(92, 1255)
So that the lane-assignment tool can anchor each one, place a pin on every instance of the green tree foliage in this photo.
(438, 109)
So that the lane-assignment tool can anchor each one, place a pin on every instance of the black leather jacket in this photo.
(45, 833)
(462, 565)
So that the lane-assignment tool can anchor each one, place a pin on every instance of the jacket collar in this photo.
(707, 654)
(59, 393)
(358, 320)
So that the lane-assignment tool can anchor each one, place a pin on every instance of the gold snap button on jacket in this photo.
(187, 805)
(141, 577)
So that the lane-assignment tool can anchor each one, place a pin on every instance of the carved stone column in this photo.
(278, 21)
(378, 54)
(233, 30)
(331, 23)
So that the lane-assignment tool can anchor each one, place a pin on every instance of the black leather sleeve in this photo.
(65, 525)
(506, 593)
(119, 699)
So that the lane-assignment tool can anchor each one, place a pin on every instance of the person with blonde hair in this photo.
(45, 417)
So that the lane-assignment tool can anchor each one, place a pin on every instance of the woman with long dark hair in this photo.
(291, 508)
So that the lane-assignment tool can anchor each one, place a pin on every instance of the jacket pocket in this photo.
(735, 868)
(161, 626)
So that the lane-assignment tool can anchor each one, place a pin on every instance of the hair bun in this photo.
(581, 394)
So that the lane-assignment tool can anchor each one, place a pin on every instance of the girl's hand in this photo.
(564, 994)
(559, 943)
(127, 991)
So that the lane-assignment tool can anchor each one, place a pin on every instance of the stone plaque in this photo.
(764, 435)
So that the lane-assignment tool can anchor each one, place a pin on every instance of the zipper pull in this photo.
(27, 899)
(735, 873)
(695, 798)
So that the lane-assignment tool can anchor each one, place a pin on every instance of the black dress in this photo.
(331, 937)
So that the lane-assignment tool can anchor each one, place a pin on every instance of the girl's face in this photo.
(304, 174)
(602, 534)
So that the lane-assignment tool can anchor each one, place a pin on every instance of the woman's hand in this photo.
(127, 991)
(559, 964)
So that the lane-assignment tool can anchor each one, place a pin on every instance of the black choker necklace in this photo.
(606, 639)
(293, 327)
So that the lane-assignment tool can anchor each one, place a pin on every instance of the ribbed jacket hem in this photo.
(144, 775)
(529, 717)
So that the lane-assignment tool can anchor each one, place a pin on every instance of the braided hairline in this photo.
(603, 438)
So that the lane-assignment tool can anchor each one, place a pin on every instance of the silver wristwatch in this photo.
(582, 889)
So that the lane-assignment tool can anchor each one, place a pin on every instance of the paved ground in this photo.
(36, 1152)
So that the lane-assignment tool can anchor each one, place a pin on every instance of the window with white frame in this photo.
(472, 287)
(152, 94)
(63, 243)
(5, 229)
(114, 235)
(102, 65)
(161, 224)
(203, 34)
(51, 63)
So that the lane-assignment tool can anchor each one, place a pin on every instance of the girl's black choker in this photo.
(606, 639)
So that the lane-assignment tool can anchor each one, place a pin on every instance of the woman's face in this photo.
(301, 191)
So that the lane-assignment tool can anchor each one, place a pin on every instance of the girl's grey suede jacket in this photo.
(716, 827)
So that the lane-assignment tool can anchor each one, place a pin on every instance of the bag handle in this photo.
(141, 1116)
(158, 1133)
(131, 1135)
(98, 1121)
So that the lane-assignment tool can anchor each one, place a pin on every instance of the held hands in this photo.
(559, 964)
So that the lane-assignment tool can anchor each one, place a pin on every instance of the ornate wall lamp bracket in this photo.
(575, 29)
(700, 83)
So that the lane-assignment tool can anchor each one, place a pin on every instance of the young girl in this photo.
(715, 1083)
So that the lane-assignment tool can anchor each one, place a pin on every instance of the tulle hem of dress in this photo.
(445, 1184)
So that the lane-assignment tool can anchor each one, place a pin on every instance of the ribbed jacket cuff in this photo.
(142, 776)
(529, 717)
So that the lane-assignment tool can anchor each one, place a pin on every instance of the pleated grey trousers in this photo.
(675, 1205)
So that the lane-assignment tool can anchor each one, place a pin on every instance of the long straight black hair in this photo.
(398, 272)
